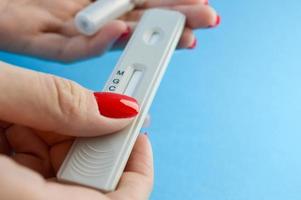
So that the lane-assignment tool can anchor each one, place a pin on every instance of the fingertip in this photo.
(213, 17)
(141, 159)
(187, 39)
(146, 142)
(106, 37)
(216, 22)
(122, 41)
(193, 44)
(116, 106)
(113, 29)
(88, 119)
(82, 47)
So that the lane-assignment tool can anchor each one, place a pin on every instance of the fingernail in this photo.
(117, 106)
(206, 2)
(217, 22)
(193, 45)
(146, 134)
(126, 33)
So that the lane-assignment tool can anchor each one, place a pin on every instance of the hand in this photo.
(39, 117)
(46, 29)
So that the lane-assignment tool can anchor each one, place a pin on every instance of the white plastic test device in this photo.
(99, 162)
(89, 20)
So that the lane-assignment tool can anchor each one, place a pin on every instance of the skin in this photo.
(40, 117)
(19, 182)
(46, 29)
(40, 114)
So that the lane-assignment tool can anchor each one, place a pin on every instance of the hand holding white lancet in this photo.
(89, 20)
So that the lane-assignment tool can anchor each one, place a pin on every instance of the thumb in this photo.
(137, 180)
(49, 103)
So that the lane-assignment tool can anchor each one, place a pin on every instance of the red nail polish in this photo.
(206, 2)
(193, 45)
(126, 33)
(217, 22)
(114, 105)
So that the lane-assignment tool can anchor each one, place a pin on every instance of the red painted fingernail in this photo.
(126, 33)
(217, 22)
(114, 105)
(206, 2)
(193, 45)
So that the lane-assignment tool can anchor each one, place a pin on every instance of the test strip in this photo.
(99, 162)
(134, 83)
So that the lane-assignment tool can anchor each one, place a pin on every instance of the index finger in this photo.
(159, 3)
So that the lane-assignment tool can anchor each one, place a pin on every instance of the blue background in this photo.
(226, 120)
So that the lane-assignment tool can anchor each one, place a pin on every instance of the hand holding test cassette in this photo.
(51, 17)
(99, 162)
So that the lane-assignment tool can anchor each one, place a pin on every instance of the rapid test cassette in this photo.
(99, 162)
(89, 20)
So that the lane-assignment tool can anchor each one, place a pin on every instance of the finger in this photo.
(34, 163)
(123, 40)
(29, 149)
(63, 10)
(20, 183)
(137, 180)
(64, 48)
(141, 159)
(69, 29)
(23, 140)
(53, 104)
(158, 3)
(51, 138)
(83, 2)
(58, 153)
(187, 40)
(58, 191)
(198, 16)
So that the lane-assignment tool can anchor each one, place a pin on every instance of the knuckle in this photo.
(70, 98)
(72, 6)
